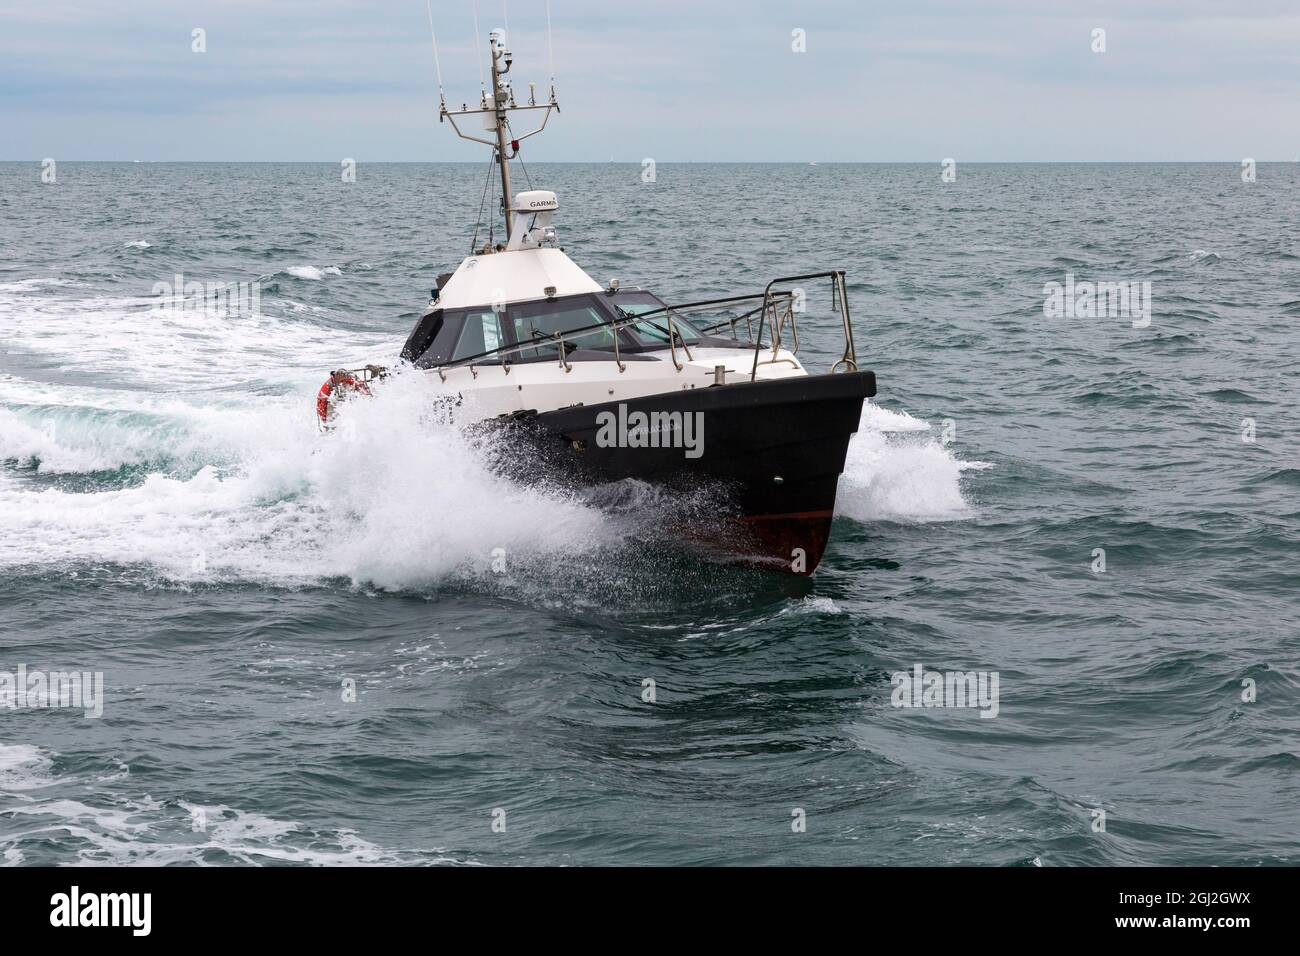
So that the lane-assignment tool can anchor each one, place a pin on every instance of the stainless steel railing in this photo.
(777, 309)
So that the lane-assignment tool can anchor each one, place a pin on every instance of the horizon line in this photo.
(673, 162)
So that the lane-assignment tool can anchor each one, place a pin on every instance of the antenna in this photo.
(495, 113)
(478, 56)
(442, 100)
(550, 50)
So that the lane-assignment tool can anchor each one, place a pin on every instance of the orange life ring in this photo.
(337, 387)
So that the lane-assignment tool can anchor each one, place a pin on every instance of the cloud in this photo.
(1001, 80)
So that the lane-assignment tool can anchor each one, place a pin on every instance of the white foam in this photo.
(23, 767)
(878, 419)
(155, 834)
(395, 498)
(136, 342)
(108, 828)
(897, 470)
(812, 605)
(139, 244)
(29, 285)
(313, 273)
(391, 498)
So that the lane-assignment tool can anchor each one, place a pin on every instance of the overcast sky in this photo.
(704, 80)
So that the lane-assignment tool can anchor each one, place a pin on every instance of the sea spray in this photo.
(898, 469)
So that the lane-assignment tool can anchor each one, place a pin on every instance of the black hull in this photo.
(769, 454)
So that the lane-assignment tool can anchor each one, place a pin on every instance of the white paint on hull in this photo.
(487, 391)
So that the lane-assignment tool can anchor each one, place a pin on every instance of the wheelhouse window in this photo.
(532, 320)
(420, 343)
(525, 332)
(652, 332)
(480, 333)
(444, 337)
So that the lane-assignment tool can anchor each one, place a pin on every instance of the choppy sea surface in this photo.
(170, 516)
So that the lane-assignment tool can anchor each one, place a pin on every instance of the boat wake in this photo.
(148, 465)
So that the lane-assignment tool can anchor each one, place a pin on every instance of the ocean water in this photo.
(171, 517)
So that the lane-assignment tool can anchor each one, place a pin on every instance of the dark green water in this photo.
(170, 517)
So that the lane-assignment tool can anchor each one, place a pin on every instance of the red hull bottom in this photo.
(791, 543)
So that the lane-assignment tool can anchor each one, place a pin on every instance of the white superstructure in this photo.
(503, 277)
(504, 332)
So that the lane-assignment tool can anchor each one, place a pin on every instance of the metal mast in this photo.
(496, 116)
(501, 61)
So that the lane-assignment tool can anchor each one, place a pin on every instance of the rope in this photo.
(473, 243)
(520, 156)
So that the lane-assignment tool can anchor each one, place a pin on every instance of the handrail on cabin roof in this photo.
(627, 318)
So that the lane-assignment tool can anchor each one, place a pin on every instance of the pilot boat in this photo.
(706, 400)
